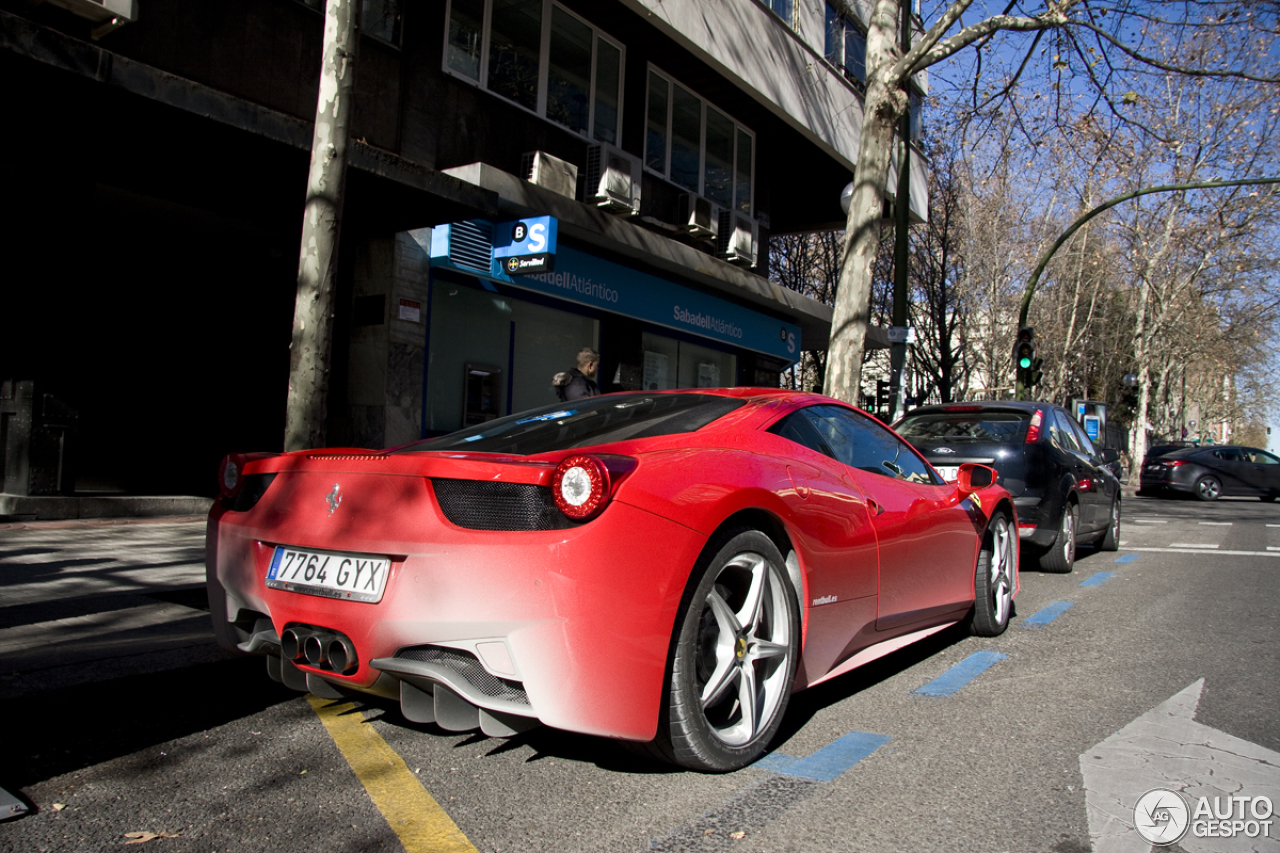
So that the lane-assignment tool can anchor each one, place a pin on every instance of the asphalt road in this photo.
(119, 718)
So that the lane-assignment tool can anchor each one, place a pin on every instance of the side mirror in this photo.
(971, 477)
(1109, 455)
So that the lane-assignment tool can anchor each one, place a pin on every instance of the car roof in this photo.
(982, 405)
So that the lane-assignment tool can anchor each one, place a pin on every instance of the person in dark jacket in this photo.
(579, 382)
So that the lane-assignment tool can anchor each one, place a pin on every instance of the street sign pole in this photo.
(901, 248)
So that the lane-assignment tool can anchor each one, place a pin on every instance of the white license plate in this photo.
(948, 472)
(352, 577)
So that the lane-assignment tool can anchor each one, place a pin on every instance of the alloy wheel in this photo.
(745, 640)
(1003, 570)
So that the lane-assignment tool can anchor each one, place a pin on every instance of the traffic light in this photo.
(882, 396)
(1037, 373)
(1024, 356)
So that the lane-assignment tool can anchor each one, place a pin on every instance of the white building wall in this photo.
(782, 68)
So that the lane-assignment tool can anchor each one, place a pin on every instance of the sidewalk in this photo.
(18, 508)
(91, 600)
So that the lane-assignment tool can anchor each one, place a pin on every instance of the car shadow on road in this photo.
(806, 704)
(60, 731)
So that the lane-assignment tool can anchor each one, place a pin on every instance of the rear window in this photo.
(581, 423)
(975, 427)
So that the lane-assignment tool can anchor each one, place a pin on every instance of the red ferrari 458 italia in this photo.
(663, 567)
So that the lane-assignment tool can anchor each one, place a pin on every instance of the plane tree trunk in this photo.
(310, 350)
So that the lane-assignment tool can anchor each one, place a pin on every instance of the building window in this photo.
(846, 45)
(567, 71)
(381, 19)
(917, 116)
(378, 18)
(784, 9)
(515, 38)
(694, 144)
(658, 112)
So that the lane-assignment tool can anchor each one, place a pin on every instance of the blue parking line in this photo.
(827, 763)
(1048, 614)
(1128, 558)
(1099, 579)
(775, 761)
(961, 674)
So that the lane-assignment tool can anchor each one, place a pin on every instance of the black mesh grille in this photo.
(483, 505)
(466, 665)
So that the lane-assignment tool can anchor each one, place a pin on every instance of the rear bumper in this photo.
(577, 621)
(1154, 484)
(1033, 525)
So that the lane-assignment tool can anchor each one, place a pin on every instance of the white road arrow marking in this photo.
(1167, 748)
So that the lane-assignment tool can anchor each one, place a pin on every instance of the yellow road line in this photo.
(412, 813)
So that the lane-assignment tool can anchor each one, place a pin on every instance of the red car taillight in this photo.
(1174, 463)
(231, 475)
(581, 487)
(1033, 431)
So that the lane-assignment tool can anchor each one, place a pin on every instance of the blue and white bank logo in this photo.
(1162, 816)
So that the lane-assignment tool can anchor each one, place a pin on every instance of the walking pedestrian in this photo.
(580, 381)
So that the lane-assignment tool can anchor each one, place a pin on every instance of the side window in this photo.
(796, 427)
(1260, 458)
(1082, 437)
(861, 443)
(1062, 434)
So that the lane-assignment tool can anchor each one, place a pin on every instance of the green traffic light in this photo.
(1024, 362)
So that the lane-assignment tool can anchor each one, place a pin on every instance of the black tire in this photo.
(1061, 556)
(729, 647)
(1110, 540)
(995, 579)
(1208, 488)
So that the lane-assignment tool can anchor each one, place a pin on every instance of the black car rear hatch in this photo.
(949, 436)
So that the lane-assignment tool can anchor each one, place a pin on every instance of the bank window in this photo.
(846, 45)
(694, 144)
(669, 363)
(539, 55)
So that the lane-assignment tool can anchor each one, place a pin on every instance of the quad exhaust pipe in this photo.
(319, 648)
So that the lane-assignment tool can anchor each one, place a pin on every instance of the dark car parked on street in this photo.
(1155, 451)
(1063, 489)
(1214, 471)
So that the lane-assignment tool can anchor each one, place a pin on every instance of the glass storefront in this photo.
(495, 341)
(671, 363)
(491, 354)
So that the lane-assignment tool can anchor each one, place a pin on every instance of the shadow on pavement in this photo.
(52, 733)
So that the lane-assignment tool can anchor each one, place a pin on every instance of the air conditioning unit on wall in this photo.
(699, 217)
(110, 14)
(612, 180)
(738, 237)
(559, 176)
